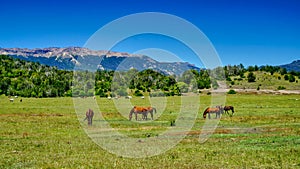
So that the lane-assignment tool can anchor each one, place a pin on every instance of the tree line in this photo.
(31, 79)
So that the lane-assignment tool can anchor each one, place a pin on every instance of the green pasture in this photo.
(264, 132)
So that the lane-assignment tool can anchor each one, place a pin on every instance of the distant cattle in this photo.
(11, 100)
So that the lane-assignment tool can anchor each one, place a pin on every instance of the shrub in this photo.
(228, 79)
(251, 77)
(281, 88)
(231, 91)
(292, 78)
(138, 93)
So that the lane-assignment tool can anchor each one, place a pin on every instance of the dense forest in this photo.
(30, 79)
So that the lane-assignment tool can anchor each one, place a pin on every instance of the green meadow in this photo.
(264, 132)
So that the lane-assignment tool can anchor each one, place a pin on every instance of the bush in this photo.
(281, 88)
(138, 93)
(251, 77)
(286, 77)
(292, 78)
(231, 91)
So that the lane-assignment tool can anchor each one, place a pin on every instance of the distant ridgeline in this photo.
(32, 79)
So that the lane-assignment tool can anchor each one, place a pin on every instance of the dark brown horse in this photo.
(218, 110)
(89, 116)
(141, 110)
(227, 108)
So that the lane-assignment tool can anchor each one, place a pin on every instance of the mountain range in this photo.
(294, 66)
(83, 58)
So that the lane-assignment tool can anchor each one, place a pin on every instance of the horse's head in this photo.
(221, 109)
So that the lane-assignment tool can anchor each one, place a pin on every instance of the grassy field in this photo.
(47, 133)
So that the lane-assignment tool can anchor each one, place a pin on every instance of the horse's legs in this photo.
(89, 121)
(130, 116)
(151, 115)
(209, 115)
(144, 115)
(135, 116)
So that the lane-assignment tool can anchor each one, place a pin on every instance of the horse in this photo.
(141, 110)
(218, 110)
(227, 108)
(89, 116)
(149, 110)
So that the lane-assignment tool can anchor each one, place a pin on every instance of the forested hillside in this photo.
(30, 79)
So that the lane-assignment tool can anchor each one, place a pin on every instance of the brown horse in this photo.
(227, 108)
(141, 110)
(89, 116)
(149, 110)
(218, 110)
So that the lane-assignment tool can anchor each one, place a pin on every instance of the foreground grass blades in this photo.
(46, 133)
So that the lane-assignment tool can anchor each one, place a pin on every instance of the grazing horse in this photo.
(218, 110)
(149, 110)
(89, 116)
(227, 108)
(142, 110)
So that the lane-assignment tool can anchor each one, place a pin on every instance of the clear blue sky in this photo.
(251, 32)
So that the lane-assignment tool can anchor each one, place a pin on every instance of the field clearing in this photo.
(47, 133)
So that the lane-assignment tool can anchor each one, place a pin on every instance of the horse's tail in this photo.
(204, 113)
(86, 115)
(130, 113)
